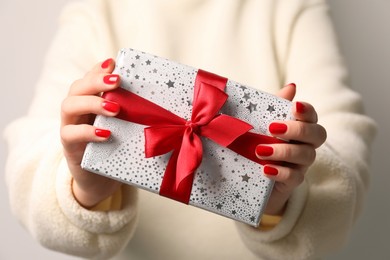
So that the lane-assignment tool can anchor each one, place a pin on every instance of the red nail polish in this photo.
(270, 170)
(111, 79)
(300, 107)
(292, 85)
(102, 133)
(106, 63)
(111, 106)
(264, 150)
(277, 128)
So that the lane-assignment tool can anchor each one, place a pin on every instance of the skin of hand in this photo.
(297, 155)
(78, 111)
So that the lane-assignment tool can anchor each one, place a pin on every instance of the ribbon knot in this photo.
(193, 126)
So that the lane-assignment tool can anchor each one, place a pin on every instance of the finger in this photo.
(94, 84)
(305, 112)
(313, 134)
(286, 178)
(297, 154)
(74, 135)
(96, 80)
(287, 92)
(106, 66)
(75, 106)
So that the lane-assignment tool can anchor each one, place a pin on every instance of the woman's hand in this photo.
(77, 114)
(305, 136)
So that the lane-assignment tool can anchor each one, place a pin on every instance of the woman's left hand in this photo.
(304, 135)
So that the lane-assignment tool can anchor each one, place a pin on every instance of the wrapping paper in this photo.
(225, 182)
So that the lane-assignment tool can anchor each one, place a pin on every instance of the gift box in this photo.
(189, 135)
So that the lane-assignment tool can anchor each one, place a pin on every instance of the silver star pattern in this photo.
(170, 84)
(243, 88)
(246, 96)
(245, 178)
(271, 108)
(252, 107)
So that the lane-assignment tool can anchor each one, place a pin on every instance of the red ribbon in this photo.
(168, 132)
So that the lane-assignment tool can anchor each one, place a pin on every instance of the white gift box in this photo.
(225, 182)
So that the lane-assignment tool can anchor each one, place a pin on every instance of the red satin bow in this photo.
(169, 132)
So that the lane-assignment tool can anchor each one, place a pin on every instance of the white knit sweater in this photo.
(261, 43)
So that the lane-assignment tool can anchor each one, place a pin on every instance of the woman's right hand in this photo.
(78, 111)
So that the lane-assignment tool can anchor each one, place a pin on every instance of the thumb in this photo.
(287, 92)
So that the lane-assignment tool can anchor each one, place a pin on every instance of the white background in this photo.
(27, 27)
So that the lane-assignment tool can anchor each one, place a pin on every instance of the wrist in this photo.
(112, 203)
(88, 198)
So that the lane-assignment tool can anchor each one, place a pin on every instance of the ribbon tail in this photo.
(190, 156)
(162, 139)
(169, 189)
(179, 174)
(224, 129)
(245, 145)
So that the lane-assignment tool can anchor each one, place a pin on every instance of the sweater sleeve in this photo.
(322, 211)
(37, 176)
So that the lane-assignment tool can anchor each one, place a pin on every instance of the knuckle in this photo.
(71, 134)
(294, 177)
(64, 134)
(75, 85)
(285, 152)
(323, 134)
(301, 130)
(315, 117)
(298, 178)
(65, 107)
(287, 174)
(311, 155)
(289, 179)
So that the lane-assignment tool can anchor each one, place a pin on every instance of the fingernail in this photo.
(111, 79)
(264, 150)
(106, 63)
(300, 107)
(270, 170)
(292, 85)
(111, 106)
(277, 128)
(102, 133)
